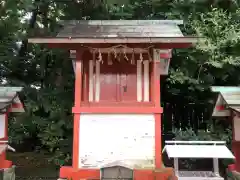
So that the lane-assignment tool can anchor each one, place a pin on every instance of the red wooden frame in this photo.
(76, 124)
(85, 94)
(220, 108)
(112, 110)
(235, 146)
(80, 106)
(75, 46)
(4, 163)
(158, 140)
(108, 107)
(143, 174)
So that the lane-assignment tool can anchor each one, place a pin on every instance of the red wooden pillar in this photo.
(4, 163)
(77, 104)
(235, 143)
(156, 91)
(236, 152)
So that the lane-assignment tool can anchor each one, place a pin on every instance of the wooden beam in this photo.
(107, 45)
(76, 123)
(114, 40)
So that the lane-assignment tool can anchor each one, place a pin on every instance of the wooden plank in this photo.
(198, 151)
(114, 40)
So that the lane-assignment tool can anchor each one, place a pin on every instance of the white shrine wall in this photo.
(236, 126)
(105, 138)
(2, 125)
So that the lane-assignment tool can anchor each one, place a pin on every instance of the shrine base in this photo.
(5, 164)
(7, 173)
(138, 174)
(234, 176)
(236, 150)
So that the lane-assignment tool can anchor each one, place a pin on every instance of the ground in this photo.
(34, 166)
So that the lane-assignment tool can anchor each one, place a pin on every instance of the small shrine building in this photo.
(117, 110)
(9, 103)
(227, 106)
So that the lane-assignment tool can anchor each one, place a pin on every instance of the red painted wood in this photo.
(166, 55)
(220, 108)
(139, 174)
(108, 82)
(5, 138)
(85, 82)
(78, 99)
(236, 151)
(142, 72)
(113, 92)
(84, 174)
(104, 45)
(6, 126)
(4, 163)
(15, 106)
(151, 69)
(143, 174)
(128, 82)
(117, 104)
(156, 84)
(118, 110)
(158, 139)
(78, 79)
(118, 82)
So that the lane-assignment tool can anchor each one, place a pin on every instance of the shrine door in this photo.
(118, 82)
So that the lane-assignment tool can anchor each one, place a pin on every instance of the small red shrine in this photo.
(228, 106)
(9, 102)
(117, 110)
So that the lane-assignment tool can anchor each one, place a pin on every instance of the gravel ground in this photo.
(34, 166)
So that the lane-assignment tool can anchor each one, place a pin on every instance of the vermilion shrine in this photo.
(117, 110)
(228, 106)
(9, 102)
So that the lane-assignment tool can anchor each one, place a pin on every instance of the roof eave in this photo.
(121, 22)
(137, 40)
(225, 89)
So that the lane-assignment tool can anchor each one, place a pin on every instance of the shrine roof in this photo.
(118, 31)
(197, 149)
(228, 97)
(9, 98)
(123, 28)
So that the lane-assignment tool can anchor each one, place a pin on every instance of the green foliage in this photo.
(214, 133)
(232, 175)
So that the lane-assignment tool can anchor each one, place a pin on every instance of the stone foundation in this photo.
(233, 175)
(8, 174)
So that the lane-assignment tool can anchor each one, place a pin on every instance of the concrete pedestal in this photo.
(7, 174)
(234, 176)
